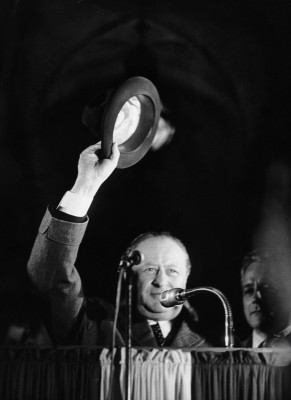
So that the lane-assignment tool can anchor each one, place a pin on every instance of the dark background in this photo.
(222, 70)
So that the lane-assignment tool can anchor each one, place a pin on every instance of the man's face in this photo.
(252, 297)
(263, 307)
(164, 267)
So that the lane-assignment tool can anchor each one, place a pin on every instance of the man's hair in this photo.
(258, 256)
(147, 235)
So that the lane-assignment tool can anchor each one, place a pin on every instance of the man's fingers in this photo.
(115, 153)
(92, 148)
(92, 155)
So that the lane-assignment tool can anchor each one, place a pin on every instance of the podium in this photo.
(69, 373)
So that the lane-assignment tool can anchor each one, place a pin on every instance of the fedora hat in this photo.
(128, 115)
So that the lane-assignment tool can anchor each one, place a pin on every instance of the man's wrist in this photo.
(85, 187)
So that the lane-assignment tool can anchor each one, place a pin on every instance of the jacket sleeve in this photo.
(51, 269)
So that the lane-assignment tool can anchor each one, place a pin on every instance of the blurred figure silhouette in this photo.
(21, 324)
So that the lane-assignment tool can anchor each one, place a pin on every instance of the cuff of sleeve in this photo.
(75, 204)
(64, 232)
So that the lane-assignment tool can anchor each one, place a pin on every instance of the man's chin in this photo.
(257, 321)
(159, 313)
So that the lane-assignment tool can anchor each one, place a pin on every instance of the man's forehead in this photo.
(159, 242)
(162, 246)
(254, 272)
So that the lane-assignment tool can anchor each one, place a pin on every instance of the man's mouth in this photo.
(256, 311)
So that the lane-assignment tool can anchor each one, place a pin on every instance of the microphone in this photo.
(174, 297)
(131, 259)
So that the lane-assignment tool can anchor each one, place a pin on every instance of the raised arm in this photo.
(51, 266)
(93, 171)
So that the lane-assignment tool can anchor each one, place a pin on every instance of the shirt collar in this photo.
(165, 326)
(258, 338)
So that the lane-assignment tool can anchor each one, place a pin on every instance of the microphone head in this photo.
(128, 260)
(169, 298)
(137, 257)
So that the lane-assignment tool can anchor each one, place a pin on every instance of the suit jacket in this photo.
(271, 341)
(70, 317)
(248, 342)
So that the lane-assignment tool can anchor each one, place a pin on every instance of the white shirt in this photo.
(258, 338)
(75, 204)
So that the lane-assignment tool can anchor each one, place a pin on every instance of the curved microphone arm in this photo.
(172, 297)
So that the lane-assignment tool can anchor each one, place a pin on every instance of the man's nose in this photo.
(257, 294)
(159, 279)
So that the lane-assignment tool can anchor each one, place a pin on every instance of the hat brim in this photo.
(133, 149)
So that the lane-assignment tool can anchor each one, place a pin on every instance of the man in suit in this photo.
(265, 309)
(70, 317)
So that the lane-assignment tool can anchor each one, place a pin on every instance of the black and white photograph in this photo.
(145, 163)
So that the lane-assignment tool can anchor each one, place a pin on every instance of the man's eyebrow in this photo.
(147, 263)
(175, 266)
(248, 284)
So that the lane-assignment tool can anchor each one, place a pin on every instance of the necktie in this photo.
(158, 334)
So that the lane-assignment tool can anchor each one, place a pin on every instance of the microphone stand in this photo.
(126, 264)
(179, 296)
(228, 338)
(128, 363)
